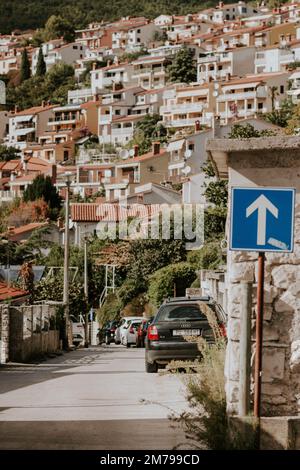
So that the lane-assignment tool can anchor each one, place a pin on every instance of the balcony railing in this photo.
(237, 96)
(182, 108)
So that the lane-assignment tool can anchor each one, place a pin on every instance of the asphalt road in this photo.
(98, 398)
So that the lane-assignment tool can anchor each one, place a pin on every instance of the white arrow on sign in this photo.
(262, 204)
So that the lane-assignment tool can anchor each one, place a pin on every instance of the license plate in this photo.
(192, 332)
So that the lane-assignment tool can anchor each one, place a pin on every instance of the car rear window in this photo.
(180, 312)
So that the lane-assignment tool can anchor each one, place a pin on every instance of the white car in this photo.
(129, 335)
(123, 325)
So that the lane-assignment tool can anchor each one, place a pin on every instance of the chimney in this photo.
(108, 63)
(94, 66)
(197, 126)
(53, 174)
(16, 108)
(156, 148)
(136, 150)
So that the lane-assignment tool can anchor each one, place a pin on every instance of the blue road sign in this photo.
(262, 219)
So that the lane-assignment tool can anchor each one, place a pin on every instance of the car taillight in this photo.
(223, 330)
(153, 333)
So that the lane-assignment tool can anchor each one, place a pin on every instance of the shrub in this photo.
(207, 426)
(173, 277)
(208, 257)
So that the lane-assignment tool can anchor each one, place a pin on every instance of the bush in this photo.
(208, 426)
(110, 310)
(208, 257)
(173, 277)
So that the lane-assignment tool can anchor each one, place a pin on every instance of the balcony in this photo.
(208, 59)
(105, 119)
(63, 119)
(181, 122)
(122, 131)
(248, 95)
(182, 108)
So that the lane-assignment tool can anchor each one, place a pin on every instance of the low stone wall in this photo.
(26, 332)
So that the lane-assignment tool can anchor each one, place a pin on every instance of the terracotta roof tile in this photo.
(7, 292)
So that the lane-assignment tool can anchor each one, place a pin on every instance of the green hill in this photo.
(31, 14)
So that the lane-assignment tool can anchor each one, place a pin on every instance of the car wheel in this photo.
(151, 368)
(128, 345)
(117, 342)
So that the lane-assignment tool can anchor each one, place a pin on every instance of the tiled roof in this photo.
(141, 158)
(7, 292)
(26, 228)
(33, 110)
(108, 212)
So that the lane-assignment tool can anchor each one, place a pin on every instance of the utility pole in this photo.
(68, 338)
(86, 294)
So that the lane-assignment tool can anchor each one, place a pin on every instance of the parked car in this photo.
(177, 318)
(123, 325)
(78, 331)
(129, 336)
(141, 332)
(107, 333)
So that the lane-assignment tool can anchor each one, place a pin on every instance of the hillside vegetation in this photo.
(31, 14)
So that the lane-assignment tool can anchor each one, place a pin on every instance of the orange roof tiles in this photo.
(8, 292)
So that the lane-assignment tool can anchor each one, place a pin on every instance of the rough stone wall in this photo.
(281, 341)
(4, 333)
(25, 332)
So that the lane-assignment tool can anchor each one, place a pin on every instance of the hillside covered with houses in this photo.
(125, 108)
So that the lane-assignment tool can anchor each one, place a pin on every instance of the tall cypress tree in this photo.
(41, 64)
(25, 66)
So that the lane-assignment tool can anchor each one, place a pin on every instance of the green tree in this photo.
(293, 124)
(52, 87)
(8, 153)
(147, 130)
(247, 131)
(183, 69)
(41, 65)
(168, 280)
(43, 188)
(25, 66)
(57, 27)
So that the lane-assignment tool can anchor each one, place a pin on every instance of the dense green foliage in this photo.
(183, 68)
(43, 188)
(147, 130)
(8, 153)
(247, 131)
(170, 280)
(27, 14)
(41, 65)
(53, 86)
(25, 66)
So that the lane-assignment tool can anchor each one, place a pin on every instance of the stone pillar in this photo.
(4, 334)
(263, 162)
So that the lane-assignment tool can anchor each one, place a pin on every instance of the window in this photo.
(249, 106)
(75, 47)
(281, 89)
(260, 105)
(138, 31)
(117, 112)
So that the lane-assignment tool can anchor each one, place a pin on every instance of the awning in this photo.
(25, 117)
(294, 92)
(294, 76)
(176, 145)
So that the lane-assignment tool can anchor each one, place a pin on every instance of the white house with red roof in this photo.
(132, 34)
(249, 95)
(28, 125)
(151, 71)
(57, 51)
(106, 77)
